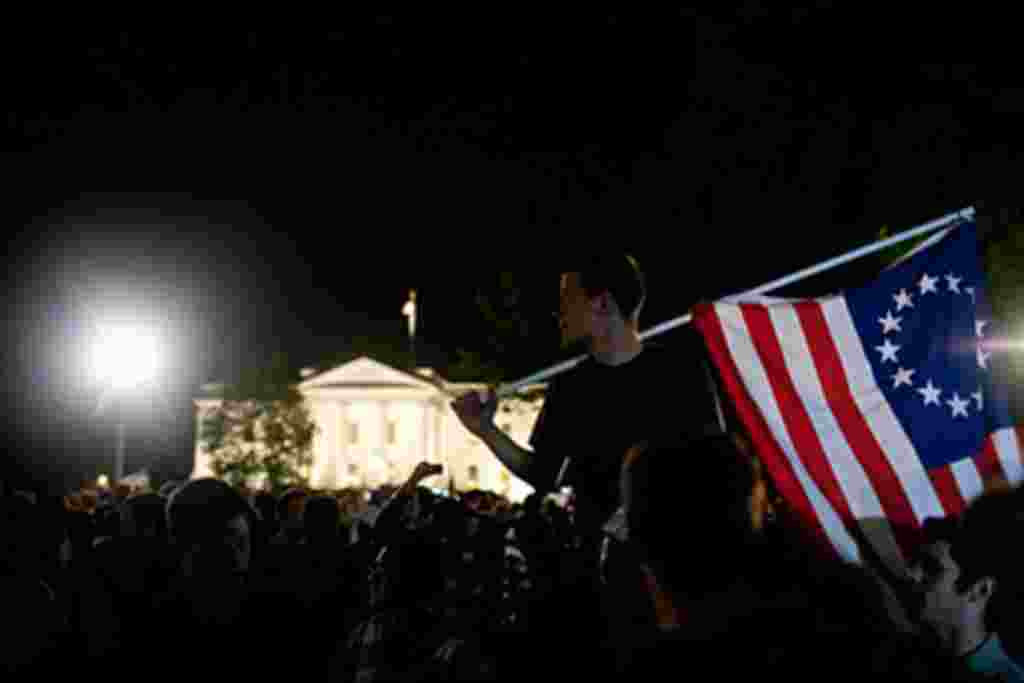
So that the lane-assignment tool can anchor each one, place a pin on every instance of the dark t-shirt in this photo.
(593, 413)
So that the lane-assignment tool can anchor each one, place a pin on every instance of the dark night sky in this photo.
(225, 186)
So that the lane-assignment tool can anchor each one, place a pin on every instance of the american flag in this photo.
(876, 408)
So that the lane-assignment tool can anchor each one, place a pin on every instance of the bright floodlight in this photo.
(126, 356)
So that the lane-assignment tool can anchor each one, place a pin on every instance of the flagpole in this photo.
(409, 311)
(964, 214)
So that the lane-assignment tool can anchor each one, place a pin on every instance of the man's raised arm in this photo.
(476, 412)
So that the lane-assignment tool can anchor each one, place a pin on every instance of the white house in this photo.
(376, 422)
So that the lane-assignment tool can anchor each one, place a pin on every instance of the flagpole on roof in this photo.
(409, 311)
(962, 215)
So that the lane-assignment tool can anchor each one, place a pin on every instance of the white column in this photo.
(441, 420)
(316, 412)
(339, 444)
(380, 447)
(362, 452)
(199, 460)
(435, 416)
(322, 471)
(425, 432)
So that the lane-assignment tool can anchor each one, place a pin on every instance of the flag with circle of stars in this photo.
(924, 324)
(876, 408)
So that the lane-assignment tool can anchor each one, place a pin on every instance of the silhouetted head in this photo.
(211, 523)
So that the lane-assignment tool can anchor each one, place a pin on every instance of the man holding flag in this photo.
(611, 401)
(871, 411)
(595, 413)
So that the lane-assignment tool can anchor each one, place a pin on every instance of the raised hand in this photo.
(424, 470)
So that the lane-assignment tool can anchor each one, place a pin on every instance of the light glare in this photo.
(126, 356)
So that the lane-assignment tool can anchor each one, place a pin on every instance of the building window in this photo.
(353, 469)
(392, 432)
(474, 473)
(353, 432)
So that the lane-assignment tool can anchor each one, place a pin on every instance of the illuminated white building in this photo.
(377, 422)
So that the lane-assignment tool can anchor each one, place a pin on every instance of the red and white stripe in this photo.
(802, 383)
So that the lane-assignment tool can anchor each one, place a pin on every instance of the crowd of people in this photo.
(203, 578)
(201, 571)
